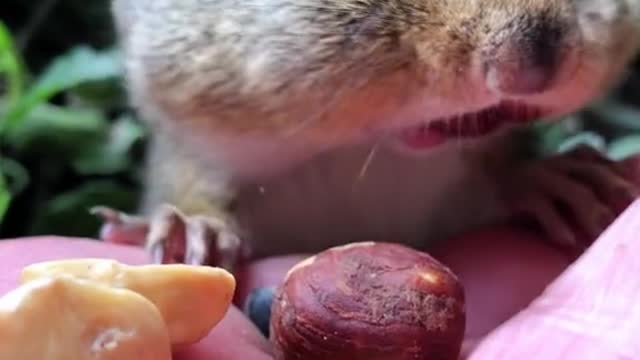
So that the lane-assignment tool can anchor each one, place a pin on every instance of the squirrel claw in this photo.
(173, 237)
(574, 196)
(119, 227)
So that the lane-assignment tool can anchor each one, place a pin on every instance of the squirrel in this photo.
(282, 126)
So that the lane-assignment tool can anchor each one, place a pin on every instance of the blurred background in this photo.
(68, 140)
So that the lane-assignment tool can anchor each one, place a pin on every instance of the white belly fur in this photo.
(406, 198)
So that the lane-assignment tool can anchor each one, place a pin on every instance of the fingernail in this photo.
(157, 254)
(105, 214)
(258, 308)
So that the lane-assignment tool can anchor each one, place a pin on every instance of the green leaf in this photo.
(100, 94)
(5, 198)
(617, 114)
(67, 214)
(55, 129)
(584, 138)
(11, 64)
(112, 155)
(16, 177)
(552, 135)
(81, 65)
(624, 147)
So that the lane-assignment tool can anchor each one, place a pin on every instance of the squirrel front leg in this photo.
(185, 215)
(572, 196)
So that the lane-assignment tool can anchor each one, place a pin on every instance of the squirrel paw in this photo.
(573, 196)
(172, 237)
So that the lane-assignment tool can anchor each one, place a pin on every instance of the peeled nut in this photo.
(369, 301)
(191, 299)
(67, 318)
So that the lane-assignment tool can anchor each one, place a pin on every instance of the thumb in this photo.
(589, 312)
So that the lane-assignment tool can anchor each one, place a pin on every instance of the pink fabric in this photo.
(591, 311)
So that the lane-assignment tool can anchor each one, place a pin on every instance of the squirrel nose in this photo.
(524, 58)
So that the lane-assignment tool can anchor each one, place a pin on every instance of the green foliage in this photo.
(65, 143)
(612, 127)
(67, 73)
(62, 211)
(5, 197)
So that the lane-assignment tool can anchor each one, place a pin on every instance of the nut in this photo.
(191, 299)
(67, 318)
(369, 301)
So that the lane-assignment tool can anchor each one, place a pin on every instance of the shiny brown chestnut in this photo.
(369, 301)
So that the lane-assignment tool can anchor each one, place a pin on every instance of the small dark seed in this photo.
(258, 308)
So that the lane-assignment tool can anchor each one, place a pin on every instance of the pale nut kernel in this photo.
(67, 318)
(191, 299)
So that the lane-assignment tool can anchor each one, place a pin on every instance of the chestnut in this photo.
(369, 301)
